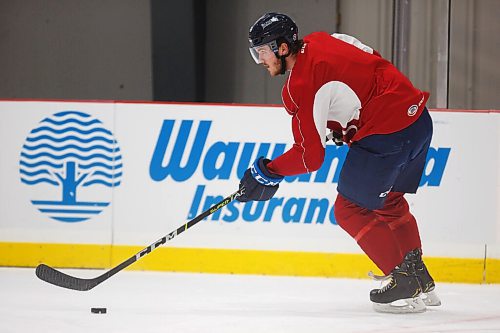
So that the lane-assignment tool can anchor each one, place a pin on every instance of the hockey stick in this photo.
(57, 278)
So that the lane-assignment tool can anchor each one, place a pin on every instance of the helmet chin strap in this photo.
(283, 62)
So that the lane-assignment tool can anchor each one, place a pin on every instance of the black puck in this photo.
(98, 310)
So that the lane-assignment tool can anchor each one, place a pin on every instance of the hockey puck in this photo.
(98, 310)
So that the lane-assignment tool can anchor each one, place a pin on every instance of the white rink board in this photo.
(457, 208)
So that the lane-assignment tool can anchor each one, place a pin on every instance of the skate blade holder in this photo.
(408, 305)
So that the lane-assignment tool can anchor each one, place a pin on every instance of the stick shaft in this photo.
(60, 279)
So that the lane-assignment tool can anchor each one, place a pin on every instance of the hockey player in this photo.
(341, 88)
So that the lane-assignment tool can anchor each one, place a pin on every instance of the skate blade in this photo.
(408, 305)
(431, 298)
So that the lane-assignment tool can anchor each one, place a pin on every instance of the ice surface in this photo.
(177, 302)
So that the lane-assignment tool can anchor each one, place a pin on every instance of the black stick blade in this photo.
(57, 278)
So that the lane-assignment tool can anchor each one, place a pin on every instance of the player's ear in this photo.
(284, 49)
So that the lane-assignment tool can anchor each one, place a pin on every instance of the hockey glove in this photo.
(336, 137)
(260, 184)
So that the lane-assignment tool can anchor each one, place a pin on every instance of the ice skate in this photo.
(400, 292)
(429, 296)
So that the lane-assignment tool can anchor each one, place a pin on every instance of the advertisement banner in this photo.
(118, 173)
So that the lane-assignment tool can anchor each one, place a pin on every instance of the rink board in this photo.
(162, 164)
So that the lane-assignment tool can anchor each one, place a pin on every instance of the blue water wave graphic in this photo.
(70, 129)
(100, 165)
(69, 219)
(34, 173)
(95, 147)
(41, 163)
(102, 182)
(71, 112)
(38, 181)
(72, 121)
(108, 175)
(70, 137)
(72, 211)
(88, 155)
(59, 203)
(70, 155)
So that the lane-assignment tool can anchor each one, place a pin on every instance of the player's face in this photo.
(265, 56)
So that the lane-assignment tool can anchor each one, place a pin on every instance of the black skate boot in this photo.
(426, 281)
(401, 293)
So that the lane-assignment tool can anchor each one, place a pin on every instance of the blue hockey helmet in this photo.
(268, 29)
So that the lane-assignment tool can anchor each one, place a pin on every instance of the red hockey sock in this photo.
(373, 235)
(396, 213)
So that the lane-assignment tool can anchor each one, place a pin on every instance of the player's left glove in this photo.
(335, 137)
(260, 184)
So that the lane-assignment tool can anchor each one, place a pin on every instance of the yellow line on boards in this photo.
(287, 263)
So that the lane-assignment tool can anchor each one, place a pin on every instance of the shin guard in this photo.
(396, 213)
(373, 235)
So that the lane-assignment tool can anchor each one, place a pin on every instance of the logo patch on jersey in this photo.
(412, 110)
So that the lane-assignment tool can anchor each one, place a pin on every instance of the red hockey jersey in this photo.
(338, 83)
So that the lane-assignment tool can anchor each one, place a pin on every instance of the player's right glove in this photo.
(260, 184)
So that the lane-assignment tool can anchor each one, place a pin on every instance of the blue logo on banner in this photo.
(71, 150)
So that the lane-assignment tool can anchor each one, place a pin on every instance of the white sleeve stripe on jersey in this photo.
(288, 89)
(284, 104)
(302, 144)
(298, 119)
